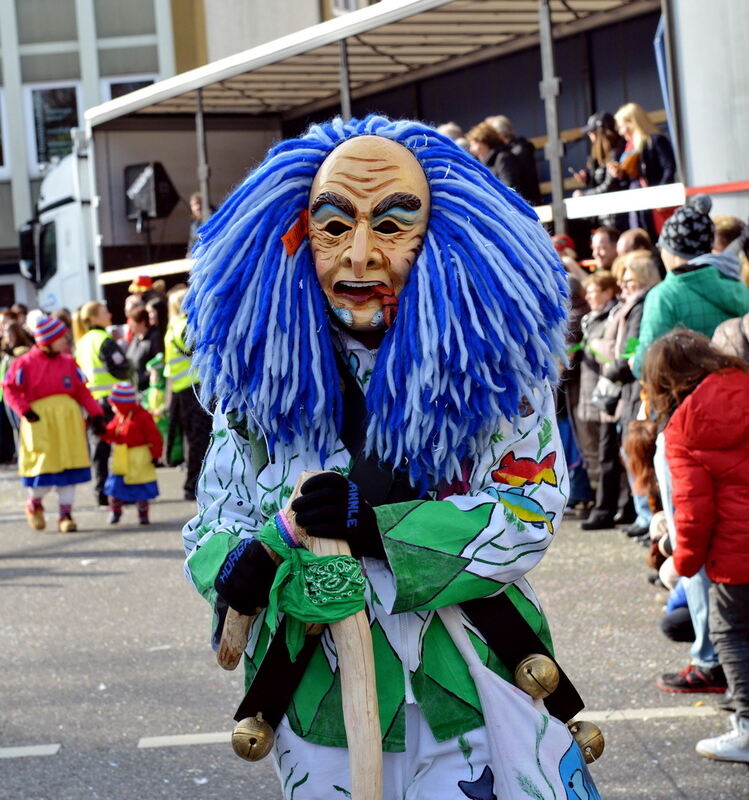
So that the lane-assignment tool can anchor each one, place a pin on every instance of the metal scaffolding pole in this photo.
(204, 171)
(345, 85)
(549, 88)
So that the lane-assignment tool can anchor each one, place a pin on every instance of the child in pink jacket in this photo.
(48, 391)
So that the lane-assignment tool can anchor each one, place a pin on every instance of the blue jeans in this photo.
(702, 650)
(642, 507)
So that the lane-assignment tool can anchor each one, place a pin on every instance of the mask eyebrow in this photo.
(337, 200)
(404, 200)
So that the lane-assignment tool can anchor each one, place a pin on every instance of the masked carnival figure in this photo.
(371, 304)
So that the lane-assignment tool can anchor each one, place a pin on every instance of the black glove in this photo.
(331, 507)
(31, 416)
(245, 577)
(98, 426)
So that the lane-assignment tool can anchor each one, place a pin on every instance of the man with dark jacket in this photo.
(524, 154)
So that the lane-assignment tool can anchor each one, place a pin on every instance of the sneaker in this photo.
(635, 531)
(731, 746)
(694, 679)
(67, 525)
(114, 517)
(35, 518)
(143, 519)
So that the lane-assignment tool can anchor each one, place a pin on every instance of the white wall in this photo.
(235, 25)
(712, 75)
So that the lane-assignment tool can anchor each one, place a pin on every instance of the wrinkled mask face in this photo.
(368, 212)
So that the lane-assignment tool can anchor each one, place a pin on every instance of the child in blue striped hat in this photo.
(137, 446)
(48, 391)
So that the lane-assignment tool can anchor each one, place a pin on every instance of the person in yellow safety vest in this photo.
(104, 364)
(188, 420)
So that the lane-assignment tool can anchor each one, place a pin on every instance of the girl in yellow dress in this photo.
(48, 391)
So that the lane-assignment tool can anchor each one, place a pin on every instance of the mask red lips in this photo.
(361, 292)
(357, 292)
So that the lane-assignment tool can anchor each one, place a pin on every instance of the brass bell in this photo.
(589, 738)
(537, 675)
(252, 738)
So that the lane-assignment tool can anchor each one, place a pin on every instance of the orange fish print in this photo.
(522, 471)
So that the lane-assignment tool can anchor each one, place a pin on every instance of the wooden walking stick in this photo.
(353, 641)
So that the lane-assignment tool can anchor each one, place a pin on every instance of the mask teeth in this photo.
(378, 319)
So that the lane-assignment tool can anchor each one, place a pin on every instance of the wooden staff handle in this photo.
(236, 633)
(353, 641)
(234, 636)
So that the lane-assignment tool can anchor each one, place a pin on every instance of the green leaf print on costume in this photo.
(467, 751)
(513, 519)
(544, 437)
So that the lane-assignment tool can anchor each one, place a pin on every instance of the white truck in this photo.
(57, 245)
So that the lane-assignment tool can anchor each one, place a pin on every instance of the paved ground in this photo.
(103, 648)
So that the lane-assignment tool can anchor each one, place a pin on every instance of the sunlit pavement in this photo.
(110, 690)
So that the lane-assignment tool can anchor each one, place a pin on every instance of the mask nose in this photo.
(363, 255)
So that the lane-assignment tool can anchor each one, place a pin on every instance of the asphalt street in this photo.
(109, 688)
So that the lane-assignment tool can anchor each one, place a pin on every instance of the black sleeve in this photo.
(608, 184)
(506, 168)
(665, 155)
(114, 360)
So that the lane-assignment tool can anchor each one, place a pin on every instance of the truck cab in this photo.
(56, 245)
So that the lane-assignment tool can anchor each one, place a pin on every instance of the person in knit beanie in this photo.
(695, 293)
(47, 390)
(689, 231)
(137, 447)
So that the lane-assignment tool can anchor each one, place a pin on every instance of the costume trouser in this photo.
(702, 651)
(729, 628)
(427, 770)
(196, 426)
(100, 451)
(65, 497)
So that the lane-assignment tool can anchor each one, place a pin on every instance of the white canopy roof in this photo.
(389, 43)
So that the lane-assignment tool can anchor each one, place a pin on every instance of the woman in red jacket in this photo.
(702, 393)
(137, 446)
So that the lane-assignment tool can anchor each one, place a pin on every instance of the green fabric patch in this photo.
(446, 714)
(442, 662)
(389, 678)
(318, 682)
(206, 560)
(423, 541)
(310, 588)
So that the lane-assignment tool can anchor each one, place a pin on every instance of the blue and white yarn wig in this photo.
(481, 320)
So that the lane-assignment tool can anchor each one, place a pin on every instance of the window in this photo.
(47, 252)
(112, 88)
(52, 110)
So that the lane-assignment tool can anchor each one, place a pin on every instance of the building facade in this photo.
(59, 57)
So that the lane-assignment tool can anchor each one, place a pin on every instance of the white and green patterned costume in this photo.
(439, 553)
